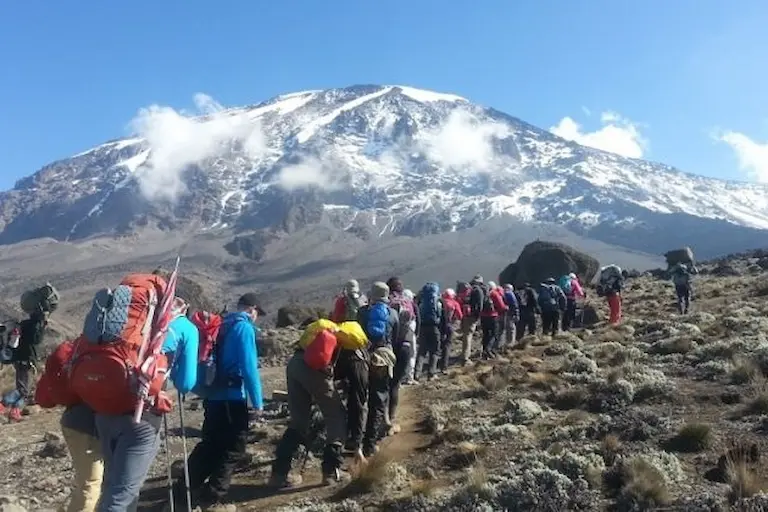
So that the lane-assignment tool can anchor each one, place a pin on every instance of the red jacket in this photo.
(339, 309)
(499, 306)
(453, 309)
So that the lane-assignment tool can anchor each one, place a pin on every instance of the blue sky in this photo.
(682, 82)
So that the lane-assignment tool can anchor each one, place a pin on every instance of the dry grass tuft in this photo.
(758, 405)
(744, 371)
(477, 481)
(576, 417)
(611, 334)
(465, 455)
(743, 481)
(369, 476)
(571, 398)
(693, 437)
(644, 485)
(610, 448)
(545, 381)
(426, 487)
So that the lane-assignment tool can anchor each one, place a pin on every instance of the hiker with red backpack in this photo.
(227, 380)
(310, 379)
(117, 369)
(493, 306)
(453, 316)
(348, 302)
(381, 324)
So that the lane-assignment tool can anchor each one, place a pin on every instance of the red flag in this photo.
(145, 367)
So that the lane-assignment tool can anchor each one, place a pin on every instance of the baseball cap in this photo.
(251, 300)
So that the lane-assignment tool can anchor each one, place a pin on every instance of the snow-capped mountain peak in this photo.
(384, 160)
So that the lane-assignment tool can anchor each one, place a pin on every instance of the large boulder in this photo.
(684, 255)
(191, 291)
(540, 260)
(297, 314)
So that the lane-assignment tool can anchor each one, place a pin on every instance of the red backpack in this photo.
(53, 388)
(117, 328)
(208, 326)
(318, 354)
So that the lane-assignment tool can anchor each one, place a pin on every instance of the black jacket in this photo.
(32, 331)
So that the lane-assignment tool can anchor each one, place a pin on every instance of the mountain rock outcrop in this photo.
(541, 259)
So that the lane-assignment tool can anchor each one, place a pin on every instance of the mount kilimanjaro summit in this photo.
(372, 166)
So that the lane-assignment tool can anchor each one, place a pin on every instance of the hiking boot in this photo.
(393, 429)
(285, 481)
(337, 477)
(14, 414)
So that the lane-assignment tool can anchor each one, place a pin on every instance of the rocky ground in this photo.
(665, 412)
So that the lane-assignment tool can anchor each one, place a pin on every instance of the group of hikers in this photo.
(351, 366)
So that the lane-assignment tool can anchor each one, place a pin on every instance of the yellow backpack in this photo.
(312, 329)
(351, 336)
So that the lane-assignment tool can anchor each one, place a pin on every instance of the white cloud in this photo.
(617, 135)
(178, 140)
(752, 156)
(308, 173)
(462, 142)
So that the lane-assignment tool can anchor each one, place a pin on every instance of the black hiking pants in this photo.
(214, 458)
(378, 402)
(527, 323)
(489, 325)
(403, 355)
(429, 350)
(550, 321)
(569, 315)
(683, 298)
(356, 383)
(23, 371)
(445, 349)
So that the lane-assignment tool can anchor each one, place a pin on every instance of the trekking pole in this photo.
(168, 463)
(184, 451)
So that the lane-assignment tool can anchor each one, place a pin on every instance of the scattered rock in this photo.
(296, 314)
(523, 411)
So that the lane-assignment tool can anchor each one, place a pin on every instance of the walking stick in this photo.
(184, 450)
(168, 463)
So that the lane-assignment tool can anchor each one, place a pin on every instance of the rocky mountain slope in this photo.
(665, 412)
(378, 162)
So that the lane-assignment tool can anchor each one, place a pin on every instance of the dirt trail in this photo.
(249, 489)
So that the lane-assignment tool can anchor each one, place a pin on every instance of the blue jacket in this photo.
(181, 346)
(239, 359)
(514, 307)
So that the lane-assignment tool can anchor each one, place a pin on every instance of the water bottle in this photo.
(13, 339)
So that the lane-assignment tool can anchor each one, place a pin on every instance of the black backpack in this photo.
(477, 299)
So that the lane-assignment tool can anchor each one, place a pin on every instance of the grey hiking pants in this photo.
(129, 450)
(306, 386)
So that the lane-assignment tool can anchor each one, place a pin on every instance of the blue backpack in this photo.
(431, 308)
(377, 326)
(565, 284)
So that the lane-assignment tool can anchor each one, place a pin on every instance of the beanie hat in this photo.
(352, 287)
(379, 292)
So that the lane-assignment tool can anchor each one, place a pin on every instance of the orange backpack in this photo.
(318, 354)
(115, 331)
(53, 388)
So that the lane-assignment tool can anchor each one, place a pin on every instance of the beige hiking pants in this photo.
(468, 328)
(88, 466)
